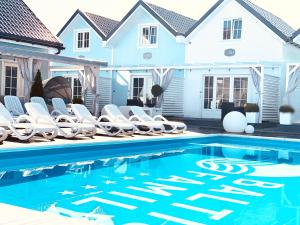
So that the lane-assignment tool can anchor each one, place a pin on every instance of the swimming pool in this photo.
(210, 180)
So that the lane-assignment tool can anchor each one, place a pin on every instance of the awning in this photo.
(24, 53)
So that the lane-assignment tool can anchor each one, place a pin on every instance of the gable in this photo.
(175, 23)
(274, 23)
(102, 25)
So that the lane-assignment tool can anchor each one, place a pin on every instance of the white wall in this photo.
(258, 43)
(194, 89)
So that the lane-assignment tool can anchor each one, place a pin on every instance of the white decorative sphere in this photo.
(235, 122)
(249, 129)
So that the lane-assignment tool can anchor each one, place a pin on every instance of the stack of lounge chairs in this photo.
(76, 120)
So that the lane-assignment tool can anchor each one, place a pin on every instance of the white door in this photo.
(219, 89)
(12, 83)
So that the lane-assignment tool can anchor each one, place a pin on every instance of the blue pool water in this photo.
(200, 181)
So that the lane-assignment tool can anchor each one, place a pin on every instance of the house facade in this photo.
(236, 52)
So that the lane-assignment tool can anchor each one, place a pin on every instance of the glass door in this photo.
(220, 89)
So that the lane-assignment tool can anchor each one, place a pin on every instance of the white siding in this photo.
(271, 98)
(173, 98)
(104, 86)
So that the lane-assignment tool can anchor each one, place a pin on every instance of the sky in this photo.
(55, 13)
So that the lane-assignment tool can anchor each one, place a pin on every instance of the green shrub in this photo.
(286, 109)
(37, 89)
(251, 107)
(156, 90)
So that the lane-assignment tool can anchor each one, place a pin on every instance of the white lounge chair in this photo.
(42, 102)
(3, 134)
(60, 108)
(14, 127)
(38, 113)
(113, 114)
(170, 126)
(14, 105)
(110, 128)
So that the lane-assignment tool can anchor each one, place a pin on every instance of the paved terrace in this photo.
(195, 127)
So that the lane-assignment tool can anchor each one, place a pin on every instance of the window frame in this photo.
(232, 28)
(20, 82)
(140, 35)
(76, 39)
(73, 77)
(147, 84)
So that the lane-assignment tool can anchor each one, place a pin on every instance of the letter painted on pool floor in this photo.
(257, 183)
(177, 179)
(105, 201)
(201, 195)
(215, 215)
(173, 219)
(158, 189)
(201, 174)
(237, 191)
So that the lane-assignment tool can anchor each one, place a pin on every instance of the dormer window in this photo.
(148, 36)
(232, 29)
(82, 40)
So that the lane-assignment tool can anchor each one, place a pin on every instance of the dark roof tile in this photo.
(181, 24)
(104, 24)
(19, 23)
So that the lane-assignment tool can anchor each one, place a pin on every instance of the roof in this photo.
(176, 23)
(19, 23)
(106, 25)
(276, 24)
(296, 33)
(181, 24)
(102, 25)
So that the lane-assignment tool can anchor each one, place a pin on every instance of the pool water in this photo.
(200, 184)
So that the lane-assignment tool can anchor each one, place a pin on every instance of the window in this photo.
(148, 36)
(208, 92)
(76, 87)
(232, 29)
(223, 90)
(240, 91)
(11, 79)
(137, 87)
(82, 40)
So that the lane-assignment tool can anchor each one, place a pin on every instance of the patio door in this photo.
(219, 89)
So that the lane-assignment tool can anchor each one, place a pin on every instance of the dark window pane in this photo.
(14, 83)
(7, 81)
(14, 91)
(8, 71)
(135, 82)
(14, 72)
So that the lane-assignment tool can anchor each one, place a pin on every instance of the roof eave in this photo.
(151, 11)
(87, 19)
(32, 41)
(264, 21)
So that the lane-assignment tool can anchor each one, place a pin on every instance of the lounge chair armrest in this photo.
(64, 117)
(135, 118)
(105, 117)
(159, 118)
(24, 118)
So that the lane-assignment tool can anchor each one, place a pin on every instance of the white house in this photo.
(237, 52)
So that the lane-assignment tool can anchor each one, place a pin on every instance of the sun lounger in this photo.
(113, 114)
(3, 134)
(60, 108)
(68, 128)
(110, 128)
(25, 130)
(170, 126)
(42, 102)
(13, 105)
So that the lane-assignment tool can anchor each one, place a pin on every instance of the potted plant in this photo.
(286, 114)
(252, 112)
